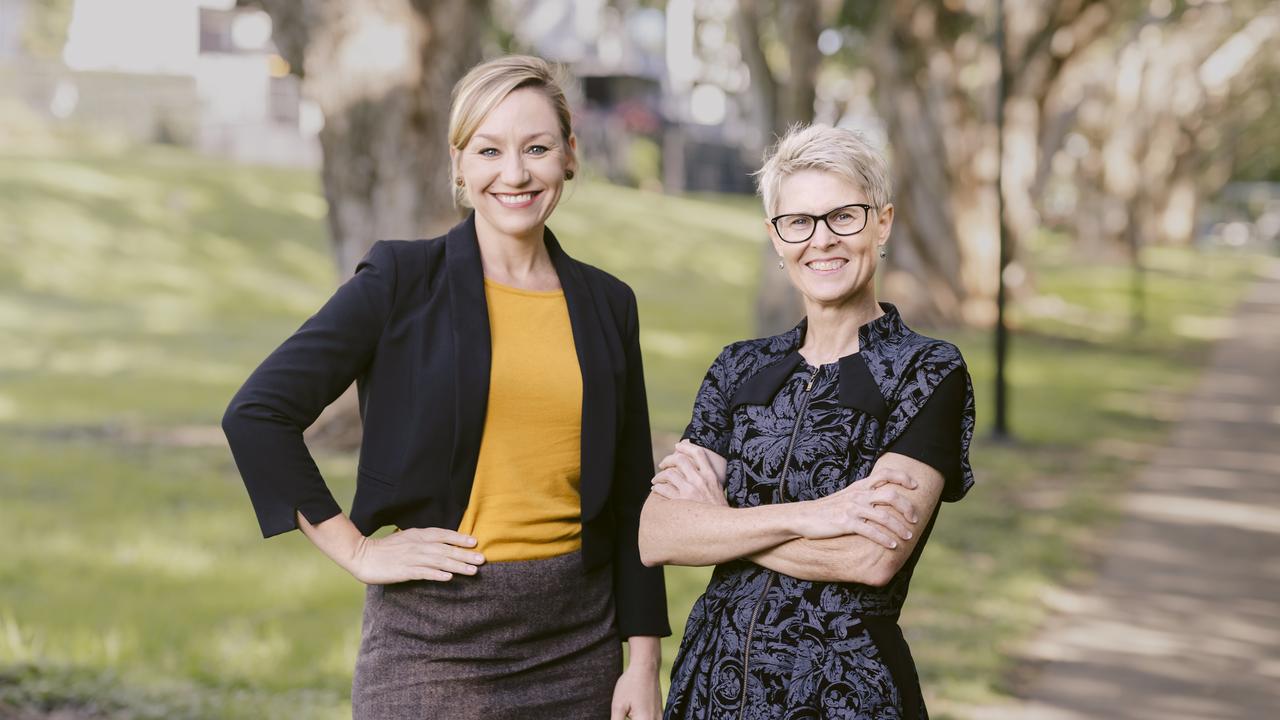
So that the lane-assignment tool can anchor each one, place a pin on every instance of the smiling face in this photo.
(514, 165)
(830, 269)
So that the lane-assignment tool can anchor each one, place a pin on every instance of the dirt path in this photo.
(1184, 620)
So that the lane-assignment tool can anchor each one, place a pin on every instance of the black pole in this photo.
(1000, 430)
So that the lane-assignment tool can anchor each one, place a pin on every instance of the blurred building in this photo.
(661, 99)
(196, 72)
(13, 17)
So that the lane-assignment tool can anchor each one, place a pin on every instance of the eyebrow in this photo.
(525, 139)
(818, 214)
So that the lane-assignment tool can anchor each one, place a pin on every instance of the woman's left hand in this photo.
(637, 694)
(691, 473)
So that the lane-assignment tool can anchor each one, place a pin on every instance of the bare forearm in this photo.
(681, 532)
(851, 558)
(338, 538)
(855, 557)
(644, 651)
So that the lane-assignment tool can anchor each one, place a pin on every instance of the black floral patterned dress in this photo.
(761, 644)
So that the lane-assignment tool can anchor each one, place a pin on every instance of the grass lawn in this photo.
(139, 286)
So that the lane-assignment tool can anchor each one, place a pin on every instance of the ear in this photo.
(453, 161)
(884, 224)
(772, 233)
(572, 162)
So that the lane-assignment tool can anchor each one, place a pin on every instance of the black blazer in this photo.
(411, 327)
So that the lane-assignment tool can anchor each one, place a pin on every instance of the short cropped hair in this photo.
(840, 151)
(486, 85)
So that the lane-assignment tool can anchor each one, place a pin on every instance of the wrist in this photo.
(351, 559)
(644, 653)
(797, 520)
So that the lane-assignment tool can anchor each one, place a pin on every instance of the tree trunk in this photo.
(784, 98)
(382, 72)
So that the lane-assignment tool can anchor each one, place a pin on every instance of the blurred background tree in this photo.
(141, 280)
(380, 72)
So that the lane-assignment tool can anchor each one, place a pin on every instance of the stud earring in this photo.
(780, 266)
(460, 182)
(568, 174)
(883, 252)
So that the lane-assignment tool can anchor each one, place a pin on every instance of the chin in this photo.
(828, 295)
(514, 222)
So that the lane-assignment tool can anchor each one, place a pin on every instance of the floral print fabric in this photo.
(760, 644)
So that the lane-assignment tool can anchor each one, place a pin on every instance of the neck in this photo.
(833, 329)
(517, 260)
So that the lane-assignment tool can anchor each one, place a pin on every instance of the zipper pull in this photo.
(812, 377)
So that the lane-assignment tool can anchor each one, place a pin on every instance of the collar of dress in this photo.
(858, 388)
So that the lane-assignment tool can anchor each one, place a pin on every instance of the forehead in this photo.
(816, 191)
(521, 113)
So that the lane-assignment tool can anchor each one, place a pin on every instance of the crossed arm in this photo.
(864, 533)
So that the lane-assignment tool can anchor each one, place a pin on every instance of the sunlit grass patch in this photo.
(139, 288)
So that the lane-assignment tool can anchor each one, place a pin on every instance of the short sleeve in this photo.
(939, 434)
(710, 424)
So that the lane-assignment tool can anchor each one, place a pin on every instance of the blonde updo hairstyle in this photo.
(486, 85)
(843, 152)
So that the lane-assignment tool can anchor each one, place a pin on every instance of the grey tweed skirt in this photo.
(528, 640)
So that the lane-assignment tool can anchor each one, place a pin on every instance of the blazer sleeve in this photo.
(286, 393)
(639, 592)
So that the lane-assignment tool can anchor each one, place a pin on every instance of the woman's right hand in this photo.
(414, 554)
(873, 507)
(691, 472)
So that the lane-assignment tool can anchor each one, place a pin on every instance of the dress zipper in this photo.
(768, 585)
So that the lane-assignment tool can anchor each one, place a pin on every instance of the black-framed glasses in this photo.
(845, 220)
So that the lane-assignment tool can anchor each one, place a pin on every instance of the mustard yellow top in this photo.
(525, 502)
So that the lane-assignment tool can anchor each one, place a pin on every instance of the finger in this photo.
(890, 521)
(896, 500)
(681, 485)
(691, 470)
(895, 476)
(618, 712)
(707, 464)
(694, 453)
(666, 477)
(449, 565)
(666, 490)
(667, 461)
(461, 554)
(426, 573)
(874, 533)
(444, 535)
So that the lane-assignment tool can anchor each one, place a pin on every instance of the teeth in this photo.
(516, 199)
(826, 264)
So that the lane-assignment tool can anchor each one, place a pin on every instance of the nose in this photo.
(514, 172)
(823, 237)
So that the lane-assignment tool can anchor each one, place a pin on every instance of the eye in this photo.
(488, 152)
(844, 217)
(538, 150)
(798, 221)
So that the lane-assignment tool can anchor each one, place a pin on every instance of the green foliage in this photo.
(139, 286)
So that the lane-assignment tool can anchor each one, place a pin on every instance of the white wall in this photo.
(138, 36)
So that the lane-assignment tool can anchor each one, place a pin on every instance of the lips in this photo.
(516, 200)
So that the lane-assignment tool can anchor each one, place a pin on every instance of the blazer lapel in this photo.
(472, 357)
(599, 389)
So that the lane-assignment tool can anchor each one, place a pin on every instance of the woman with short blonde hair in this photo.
(811, 472)
(506, 437)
